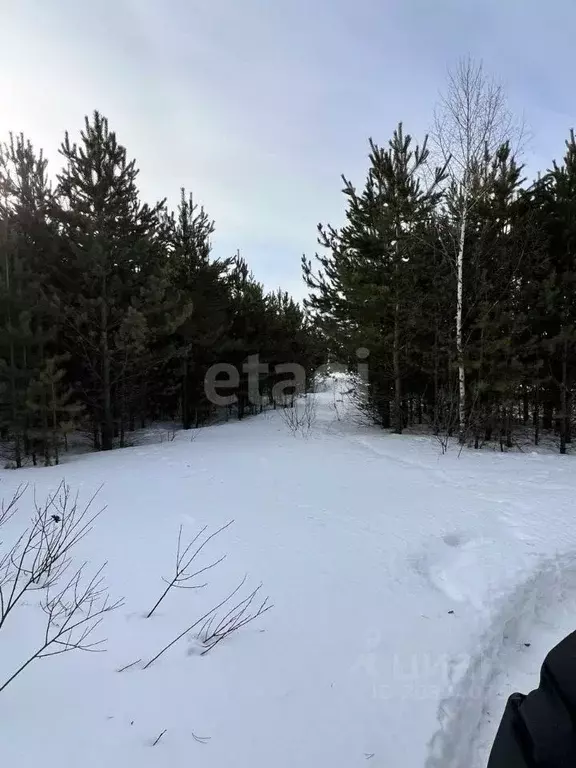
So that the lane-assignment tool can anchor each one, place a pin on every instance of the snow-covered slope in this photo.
(412, 592)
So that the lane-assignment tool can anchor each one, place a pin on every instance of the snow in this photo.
(412, 592)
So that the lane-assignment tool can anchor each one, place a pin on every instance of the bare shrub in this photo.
(214, 632)
(39, 560)
(168, 435)
(245, 611)
(8, 509)
(445, 419)
(299, 413)
(183, 571)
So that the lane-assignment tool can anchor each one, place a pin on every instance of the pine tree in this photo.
(556, 197)
(202, 285)
(51, 401)
(111, 261)
(368, 280)
(500, 240)
(247, 334)
(27, 313)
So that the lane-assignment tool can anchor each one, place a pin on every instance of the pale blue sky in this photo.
(258, 106)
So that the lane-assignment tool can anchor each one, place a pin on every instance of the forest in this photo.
(454, 269)
(456, 272)
(112, 310)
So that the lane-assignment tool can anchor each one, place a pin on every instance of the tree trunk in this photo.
(563, 397)
(525, 411)
(397, 416)
(385, 415)
(45, 431)
(95, 435)
(547, 415)
(537, 416)
(123, 415)
(436, 414)
(186, 415)
(54, 424)
(13, 390)
(509, 442)
(107, 419)
(143, 401)
(459, 344)
(122, 424)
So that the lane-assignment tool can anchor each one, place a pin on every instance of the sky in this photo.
(259, 106)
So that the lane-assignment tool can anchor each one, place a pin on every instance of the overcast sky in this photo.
(258, 106)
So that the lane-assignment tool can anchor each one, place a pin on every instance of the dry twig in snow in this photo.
(40, 560)
(244, 612)
(184, 560)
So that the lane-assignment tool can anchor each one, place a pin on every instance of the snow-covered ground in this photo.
(412, 592)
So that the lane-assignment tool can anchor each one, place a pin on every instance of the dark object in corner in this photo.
(539, 730)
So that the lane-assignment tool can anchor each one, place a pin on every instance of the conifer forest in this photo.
(453, 267)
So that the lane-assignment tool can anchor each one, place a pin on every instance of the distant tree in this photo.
(28, 240)
(555, 196)
(366, 288)
(202, 283)
(52, 404)
(472, 122)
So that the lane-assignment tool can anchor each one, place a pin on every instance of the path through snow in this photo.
(526, 624)
(406, 587)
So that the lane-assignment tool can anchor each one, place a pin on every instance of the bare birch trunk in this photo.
(459, 342)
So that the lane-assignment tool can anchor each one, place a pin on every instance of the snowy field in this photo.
(411, 591)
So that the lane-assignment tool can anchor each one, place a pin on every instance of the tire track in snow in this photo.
(466, 714)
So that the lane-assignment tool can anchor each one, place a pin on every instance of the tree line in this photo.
(458, 275)
(112, 310)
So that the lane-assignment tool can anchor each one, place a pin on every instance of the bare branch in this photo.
(184, 560)
(200, 739)
(236, 618)
(128, 666)
(472, 120)
(40, 559)
(8, 510)
(159, 737)
(40, 556)
(73, 613)
(195, 624)
(298, 412)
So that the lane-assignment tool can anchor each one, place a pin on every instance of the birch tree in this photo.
(471, 122)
